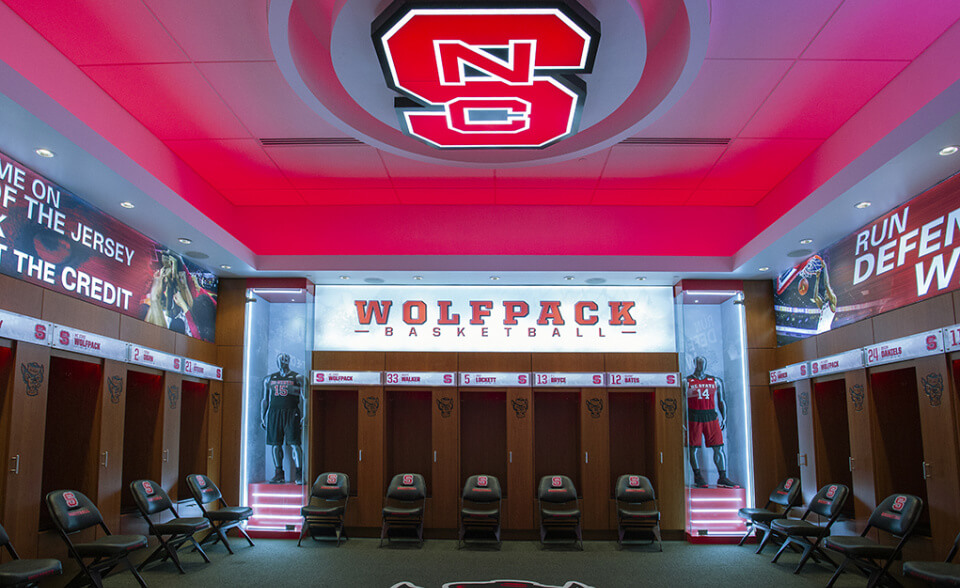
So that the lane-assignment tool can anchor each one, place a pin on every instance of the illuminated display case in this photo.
(718, 480)
(278, 338)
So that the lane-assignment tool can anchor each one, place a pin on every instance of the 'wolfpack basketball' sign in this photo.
(483, 77)
(510, 318)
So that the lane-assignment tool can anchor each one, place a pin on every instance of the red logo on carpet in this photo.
(483, 77)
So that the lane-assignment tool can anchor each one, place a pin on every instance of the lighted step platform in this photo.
(276, 510)
(712, 514)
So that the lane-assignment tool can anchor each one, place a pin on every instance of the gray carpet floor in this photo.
(358, 562)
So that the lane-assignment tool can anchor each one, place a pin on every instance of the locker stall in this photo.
(898, 439)
(483, 435)
(334, 434)
(194, 430)
(556, 427)
(785, 427)
(633, 442)
(71, 429)
(142, 430)
(832, 435)
(409, 439)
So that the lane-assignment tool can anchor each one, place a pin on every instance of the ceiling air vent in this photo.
(317, 141)
(675, 141)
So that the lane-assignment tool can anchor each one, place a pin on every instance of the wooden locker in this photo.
(807, 457)
(595, 452)
(170, 434)
(110, 463)
(26, 404)
(520, 504)
(214, 419)
(671, 494)
(371, 485)
(859, 417)
(938, 425)
(444, 511)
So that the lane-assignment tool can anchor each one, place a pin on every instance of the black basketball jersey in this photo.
(284, 390)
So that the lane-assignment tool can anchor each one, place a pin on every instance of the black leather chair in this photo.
(896, 515)
(561, 515)
(635, 496)
(326, 507)
(73, 512)
(151, 499)
(935, 573)
(787, 495)
(403, 506)
(24, 572)
(204, 491)
(480, 504)
(828, 504)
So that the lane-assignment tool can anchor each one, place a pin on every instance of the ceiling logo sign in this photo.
(482, 77)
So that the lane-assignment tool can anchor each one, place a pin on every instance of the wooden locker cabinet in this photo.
(444, 512)
(520, 504)
(26, 403)
(860, 417)
(110, 463)
(169, 431)
(671, 461)
(371, 484)
(595, 453)
(214, 420)
(807, 458)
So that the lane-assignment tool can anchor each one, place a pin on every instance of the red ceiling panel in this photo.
(641, 197)
(658, 166)
(365, 196)
(529, 196)
(579, 173)
(757, 164)
(752, 29)
(216, 30)
(102, 31)
(883, 29)
(172, 100)
(326, 167)
(266, 197)
(816, 97)
(446, 196)
(726, 197)
(410, 173)
(263, 100)
(726, 93)
(231, 164)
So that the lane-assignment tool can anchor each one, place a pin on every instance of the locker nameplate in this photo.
(951, 338)
(323, 378)
(420, 378)
(155, 359)
(841, 362)
(912, 347)
(569, 380)
(200, 369)
(629, 380)
(79, 341)
(791, 373)
(479, 379)
(24, 328)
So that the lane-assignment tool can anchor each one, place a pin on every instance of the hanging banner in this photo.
(909, 254)
(502, 319)
(912, 347)
(78, 341)
(630, 380)
(54, 239)
(320, 378)
(494, 379)
(24, 328)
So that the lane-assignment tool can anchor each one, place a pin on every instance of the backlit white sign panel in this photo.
(841, 362)
(631, 380)
(202, 370)
(791, 373)
(322, 378)
(24, 328)
(89, 343)
(155, 359)
(494, 379)
(420, 378)
(491, 318)
(951, 338)
(912, 347)
(568, 380)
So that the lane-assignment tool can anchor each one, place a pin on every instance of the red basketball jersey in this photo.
(701, 394)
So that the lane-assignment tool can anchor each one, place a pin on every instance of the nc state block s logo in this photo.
(473, 76)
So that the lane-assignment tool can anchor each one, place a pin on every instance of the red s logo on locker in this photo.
(474, 76)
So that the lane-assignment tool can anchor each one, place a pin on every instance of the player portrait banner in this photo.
(54, 239)
(498, 319)
(907, 255)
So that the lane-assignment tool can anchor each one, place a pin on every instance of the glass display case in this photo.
(276, 367)
(711, 343)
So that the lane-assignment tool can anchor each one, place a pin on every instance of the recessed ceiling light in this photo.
(344, 277)
(568, 278)
(224, 266)
(185, 241)
(641, 278)
(417, 277)
(763, 269)
(948, 150)
(494, 278)
(696, 301)
(806, 241)
(44, 152)
(127, 204)
(862, 205)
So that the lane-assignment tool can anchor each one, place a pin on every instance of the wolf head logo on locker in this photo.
(520, 406)
(115, 387)
(933, 388)
(371, 404)
(669, 407)
(480, 76)
(445, 406)
(595, 406)
(32, 374)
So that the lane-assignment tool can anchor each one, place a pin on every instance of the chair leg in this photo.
(839, 571)
(786, 543)
(656, 533)
(767, 536)
(746, 535)
(174, 557)
(245, 536)
(222, 537)
(133, 570)
(196, 547)
(303, 531)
